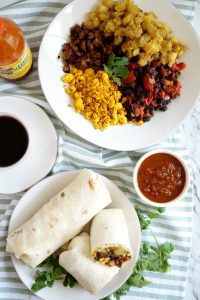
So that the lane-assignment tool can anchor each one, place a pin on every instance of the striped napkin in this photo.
(175, 225)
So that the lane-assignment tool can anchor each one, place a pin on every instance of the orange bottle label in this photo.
(18, 68)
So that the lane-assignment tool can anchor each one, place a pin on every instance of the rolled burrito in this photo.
(60, 219)
(78, 262)
(110, 244)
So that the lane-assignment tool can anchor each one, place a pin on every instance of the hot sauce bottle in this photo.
(15, 54)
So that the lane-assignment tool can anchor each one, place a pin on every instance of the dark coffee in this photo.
(13, 141)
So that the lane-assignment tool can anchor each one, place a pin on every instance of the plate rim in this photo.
(57, 175)
(54, 137)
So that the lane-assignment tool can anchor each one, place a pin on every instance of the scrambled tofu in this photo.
(96, 97)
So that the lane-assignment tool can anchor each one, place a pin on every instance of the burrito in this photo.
(60, 219)
(78, 262)
(110, 244)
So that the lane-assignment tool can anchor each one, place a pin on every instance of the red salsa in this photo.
(161, 177)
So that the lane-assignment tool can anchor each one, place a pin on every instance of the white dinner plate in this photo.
(129, 136)
(35, 198)
(40, 156)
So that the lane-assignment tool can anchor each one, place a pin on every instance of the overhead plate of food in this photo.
(120, 74)
(74, 235)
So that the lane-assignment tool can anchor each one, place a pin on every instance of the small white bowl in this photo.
(142, 197)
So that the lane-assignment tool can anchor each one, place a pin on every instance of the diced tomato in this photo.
(148, 100)
(155, 63)
(173, 89)
(175, 67)
(132, 66)
(131, 77)
(148, 83)
(162, 94)
(129, 65)
(178, 87)
(169, 89)
(155, 93)
(163, 72)
(141, 113)
(179, 66)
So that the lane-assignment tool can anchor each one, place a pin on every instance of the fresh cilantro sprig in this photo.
(42, 279)
(122, 290)
(156, 258)
(53, 271)
(145, 216)
(152, 258)
(48, 262)
(160, 209)
(116, 67)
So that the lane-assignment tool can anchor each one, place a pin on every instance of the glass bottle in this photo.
(15, 54)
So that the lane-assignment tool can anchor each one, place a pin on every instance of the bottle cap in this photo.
(1, 25)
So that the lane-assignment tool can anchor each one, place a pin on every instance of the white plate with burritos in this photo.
(92, 224)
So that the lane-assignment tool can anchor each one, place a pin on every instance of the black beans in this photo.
(142, 102)
(168, 101)
(164, 108)
(151, 109)
(146, 119)
(160, 100)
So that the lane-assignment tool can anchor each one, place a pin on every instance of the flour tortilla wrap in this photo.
(78, 262)
(60, 219)
(110, 244)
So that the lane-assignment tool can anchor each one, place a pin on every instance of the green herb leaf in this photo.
(161, 209)
(144, 248)
(72, 280)
(55, 272)
(145, 216)
(121, 61)
(116, 80)
(58, 272)
(144, 220)
(42, 279)
(48, 262)
(111, 60)
(38, 285)
(116, 67)
(167, 247)
(152, 215)
(69, 280)
(122, 291)
(49, 279)
(108, 69)
(120, 71)
(137, 279)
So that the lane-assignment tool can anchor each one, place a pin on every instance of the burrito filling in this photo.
(112, 256)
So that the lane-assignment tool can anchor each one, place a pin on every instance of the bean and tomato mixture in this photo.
(149, 88)
(161, 177)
